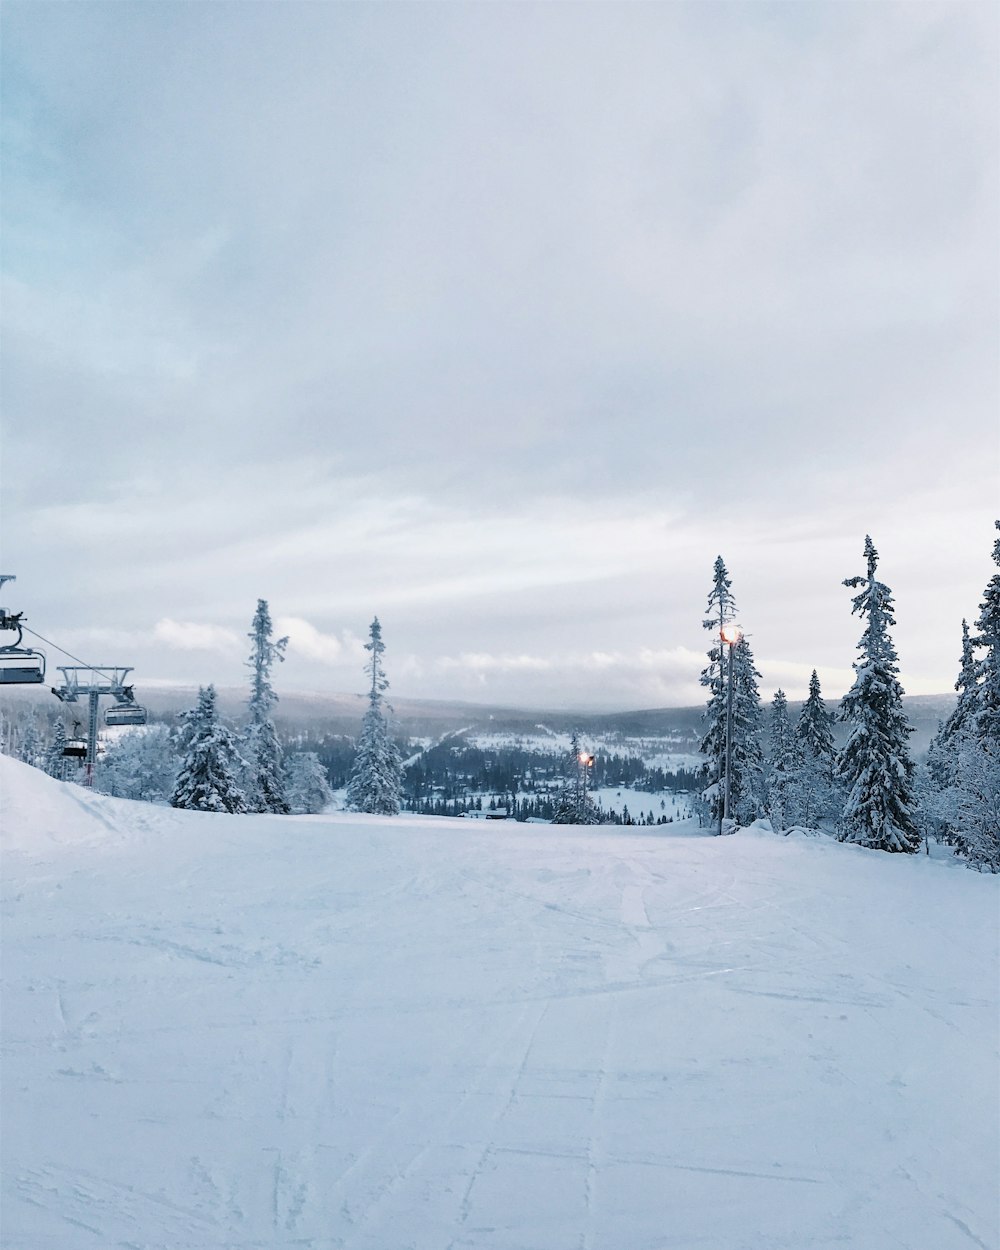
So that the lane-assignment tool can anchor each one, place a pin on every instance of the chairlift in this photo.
(75, 748)
(125, 713)
(19, 665)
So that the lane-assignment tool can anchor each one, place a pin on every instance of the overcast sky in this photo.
(501, 322)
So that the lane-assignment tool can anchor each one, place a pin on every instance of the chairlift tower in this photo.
(95, 681)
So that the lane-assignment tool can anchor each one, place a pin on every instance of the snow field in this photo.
(641, 802)
(371, 1034)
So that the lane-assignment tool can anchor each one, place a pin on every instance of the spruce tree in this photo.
(574, 806)
(306, 783)
(936, 783)
(971, 803)
(31, 748)
(212, 772)
(720, 609)
(55, 761)
(376, 781)
(814, 739)
(875, 765)
(814, 728)
(747, 787)
(783, 770)
(987, 670)
(266, 783)
(967, 707)
(976, 810)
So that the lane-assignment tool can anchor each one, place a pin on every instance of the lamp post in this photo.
(586, 763)
(730, 634)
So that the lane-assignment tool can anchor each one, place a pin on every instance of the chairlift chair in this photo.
(75, 748)
(19, 665)
(125, 714)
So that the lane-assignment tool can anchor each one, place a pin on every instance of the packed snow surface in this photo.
(375, 1034)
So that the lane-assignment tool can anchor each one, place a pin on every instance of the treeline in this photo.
(870, 791)
(757, 764)
(452, 770)
(543, 808)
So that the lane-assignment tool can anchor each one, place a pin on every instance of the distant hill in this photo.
(420, 718)
(431, 718)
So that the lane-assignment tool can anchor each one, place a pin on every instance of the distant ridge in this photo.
(417, 718)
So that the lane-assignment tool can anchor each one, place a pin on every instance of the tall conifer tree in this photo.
(988, 668)
(814, 728)
(972, 801)
(783, 770)
(720, 609)
(875, 764)
(55, 761)
(574, 805)
(376, 782)
(265, 781)
(748, 786)
(942, 755)
(817, 755)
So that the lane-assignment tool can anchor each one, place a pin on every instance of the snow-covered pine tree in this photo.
(875, 764)
(814, 728)
(987, 670)
(376, 781)
(55, 761)
(720, 609)
(966, 710)
(783, 767)
(814, 738)
(976, 791)
(140, 765)
(972, 801)
(747, 788)
(574, 805)
(935, 782)
(212, 772)
(30, 750)
(265, 777)
(306, 783)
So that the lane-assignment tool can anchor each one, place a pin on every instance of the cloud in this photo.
(509, 374)
(310, 643)
(793, 678)
(197, 636)
(482, 662)
(598, 679)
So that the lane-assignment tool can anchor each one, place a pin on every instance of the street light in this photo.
(586, 762)
(730, 634)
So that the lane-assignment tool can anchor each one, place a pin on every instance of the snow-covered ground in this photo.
(365, 1034)
(641, 802)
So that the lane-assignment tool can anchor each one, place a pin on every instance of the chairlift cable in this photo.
(49, 643)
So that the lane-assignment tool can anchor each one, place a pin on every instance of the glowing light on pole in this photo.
(586, 764)
(730, 634)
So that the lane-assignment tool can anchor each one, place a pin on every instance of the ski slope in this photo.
(416, 1034)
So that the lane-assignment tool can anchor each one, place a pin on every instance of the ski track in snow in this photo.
(342, 1033)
